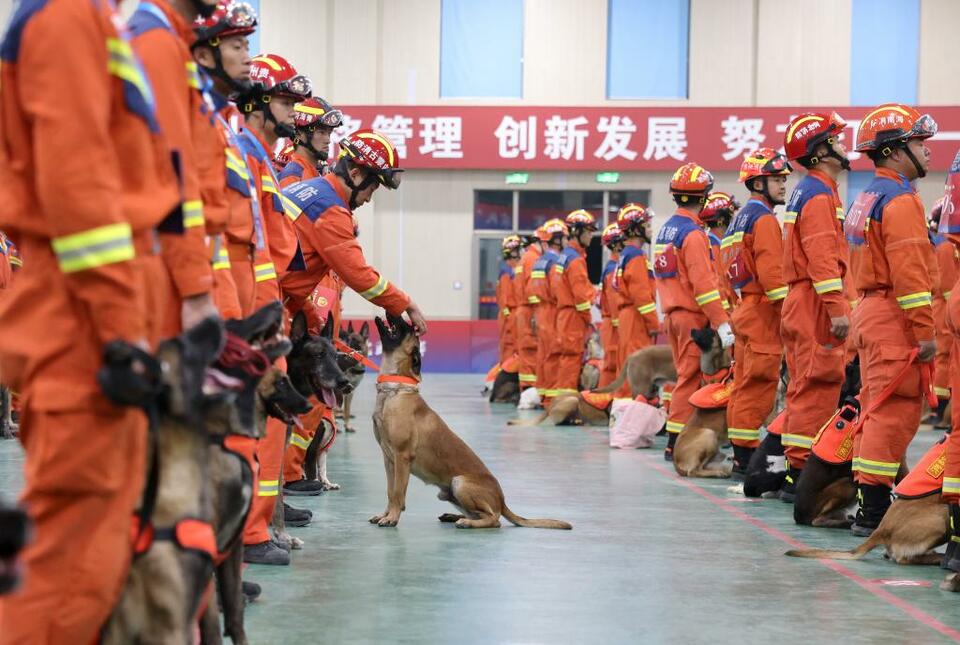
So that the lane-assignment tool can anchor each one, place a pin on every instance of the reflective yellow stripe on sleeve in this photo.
(615, 322)
(290, 208)
(777, 294)
(193, 76)
(533, 300)
(790, 217)
(583, 306)
(376, 290)
(506, 311)
(707, 297)
(826, 286)
(268, 185)
(299, 442)
(94, 248)
(942, 392)
(951, 484)
(192, 213)
(264, 272)
(914, 300)
(236, 165)
(648, 308)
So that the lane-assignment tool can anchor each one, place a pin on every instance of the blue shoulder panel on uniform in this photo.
(610, 267)
(505, 269)
(676, 230)
(885, 189)
(545, 261)
(628, 253)
(748, 216)
(313, 197)
(569, 255)
(22, 13)
(292, 169)
(143, 21)
(808, 188)
(712, 237)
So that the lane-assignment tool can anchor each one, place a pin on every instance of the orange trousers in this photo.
(270, 451)
(609, 338)
(241, 268)
(548, 350)
(686, 356)
(951, 471)
(572, 330)
(632, 335)
(300, 440)
(883, 341)
(508, 332)
(941, 371)
(756, 370)
(815, 360)
(526, 346)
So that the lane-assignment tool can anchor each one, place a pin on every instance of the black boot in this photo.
(874, 502)
(251, 591)
(936, 416)
(671, 442)
(951, 559)
(741, 458)
(296, 516)
(788, 492)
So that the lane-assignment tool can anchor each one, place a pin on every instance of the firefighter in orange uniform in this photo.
(575, 295)
(553, 235)
(84, 191)
(612, 238)
(526, 301)
(891, 260)
(314, 121)
(506, 297)
(950, 492)
(639, 323)
(752, 254)
(161, 34)
(716, 216)
(948, 272)
(816, 308)
(688, 288)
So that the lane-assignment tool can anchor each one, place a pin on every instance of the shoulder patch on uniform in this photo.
(313, 197)
(292, 169)
(22, 13)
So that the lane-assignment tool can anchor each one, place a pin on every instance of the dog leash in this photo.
(354, 354)
(926, 376)
(240, 354)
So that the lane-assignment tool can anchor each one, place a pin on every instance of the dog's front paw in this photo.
(388, 520)
(330, 486)
(348, 428)
(951, 582)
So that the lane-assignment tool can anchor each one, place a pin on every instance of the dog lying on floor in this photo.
(359, 341)
(644, 369)
(414, 439)
(698, 444)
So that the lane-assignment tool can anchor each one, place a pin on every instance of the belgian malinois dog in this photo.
(414, 439)
(910, 531)
(568, 409)
(167, 578)
(645, 370)
(358, 341)
(699, 442)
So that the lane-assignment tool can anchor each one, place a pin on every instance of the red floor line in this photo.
(914, 612)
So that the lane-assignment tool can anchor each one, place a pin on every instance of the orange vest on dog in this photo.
(926, 478)
(713, 396)
(834, 442)
(597, 400)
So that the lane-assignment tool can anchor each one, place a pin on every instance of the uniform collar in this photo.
(306, 165)
(575, 245)
(886, 173)
(823, 177)
(339, 187)
(689, 214)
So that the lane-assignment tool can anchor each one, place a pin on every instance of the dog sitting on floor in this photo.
(592, 363)
(415, 440)
(358, 341)
(644, 370)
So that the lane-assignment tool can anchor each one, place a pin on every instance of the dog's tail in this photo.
(534, 421)
(826, 554)
(613, 387)
(534, 524)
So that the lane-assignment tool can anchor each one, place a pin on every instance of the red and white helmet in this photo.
(228, 19)
(611, 235)
(764, 162)
(510, 245)
(691, 179)
(809, 130)
(374, 151)
(274, 75)
(581, 219)
(552, 228)
(719, 205)
(316, 112)
(632, 217)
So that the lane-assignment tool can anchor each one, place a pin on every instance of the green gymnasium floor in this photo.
(651, 559)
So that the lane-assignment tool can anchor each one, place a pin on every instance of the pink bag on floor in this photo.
(633, 424)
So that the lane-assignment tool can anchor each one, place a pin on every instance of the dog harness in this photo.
(926, 478)
(189, 534)
(712, 396)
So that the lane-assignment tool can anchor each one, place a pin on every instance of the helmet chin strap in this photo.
(282, 130)
(321, 156)
(368, 181)
(916, 164)
(237, 87)
(766, 193)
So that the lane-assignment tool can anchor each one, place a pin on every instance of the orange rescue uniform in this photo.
(526, 301)
(752, 254)
(690, 297)
(886, 228)
(83, 191)
(949, 270)
(506, 305)
(296, 169)
(575, 295)
(610, 321)
(637, 315)
(814, 265)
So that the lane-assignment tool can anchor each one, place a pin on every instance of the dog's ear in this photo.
(365, 330)
(350, 327)
(703, 338)
(207, 337)
(416, 360)
(328, 328)
(298, 329)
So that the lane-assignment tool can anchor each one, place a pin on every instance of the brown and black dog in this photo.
(909, 531)
(568, 409)
(698, 444)
(645, 370)
(358, 341)
(167, 578)
(414, 439)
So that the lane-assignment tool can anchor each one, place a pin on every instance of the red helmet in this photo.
(283, 156)
(274, 75)
(718, 206)
(632, 217)
(581, 219)
(374, 151)
(809, 130)
(316, 112)
(891, 125)
(691, 179)
(611, 235)
(228, 19)
(765, 162)
(510, 245)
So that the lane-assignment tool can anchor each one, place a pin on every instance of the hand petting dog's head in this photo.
(401, 346)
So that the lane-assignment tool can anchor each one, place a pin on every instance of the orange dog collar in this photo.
(396, 378)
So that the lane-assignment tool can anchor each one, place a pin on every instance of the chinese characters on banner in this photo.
(623, 139)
